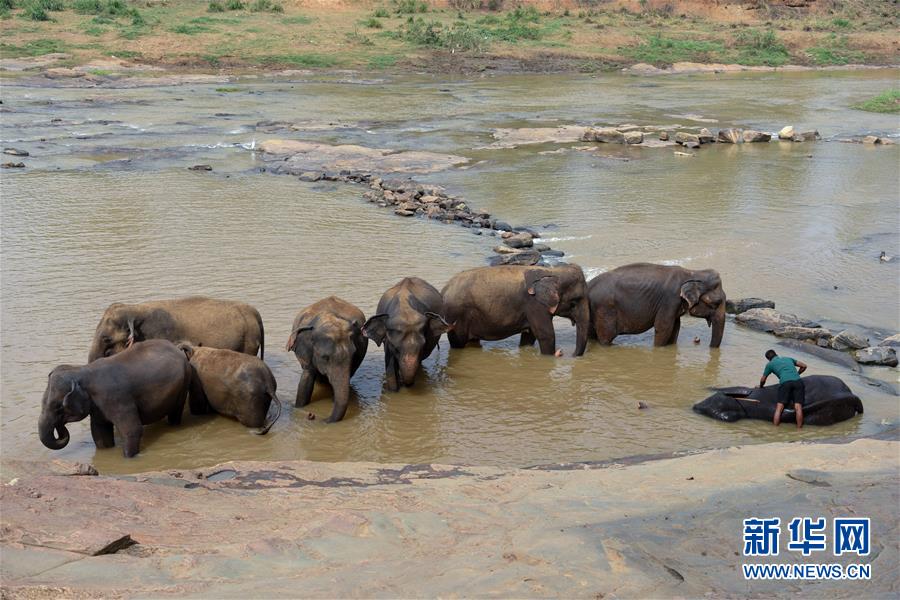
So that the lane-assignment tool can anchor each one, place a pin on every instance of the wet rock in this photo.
(404, 212)
(604, 135)
(876, 355)
(664, 136)
(740, 305)
(705, 136)
(730, 136)
(553, 253)
(893, 341)
(804, 333)
(827, 354)
(502, 226)
(849, 340)
(687, 139)
(15, 152)
(634, 137)
(505, 250)
(786, 133)
(541, 248)
(871, 139)
(519, 240)
(200, 168)
(751, 136)
(768, 319)
(311, 176)
(527, 258)
(806, 136)
(13, 165)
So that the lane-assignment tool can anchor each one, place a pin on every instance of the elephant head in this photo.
(327, 343)
(702, 296)
(406, 331)
(562, 291)
(124, 324)
(65, 401)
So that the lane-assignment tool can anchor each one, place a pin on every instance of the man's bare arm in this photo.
(801, 366)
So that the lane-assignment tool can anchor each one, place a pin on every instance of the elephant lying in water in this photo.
(828, 401)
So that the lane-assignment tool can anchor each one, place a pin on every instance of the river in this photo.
(107, 211)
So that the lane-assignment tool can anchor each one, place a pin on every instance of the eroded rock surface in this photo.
(297, 157)
(769, 319)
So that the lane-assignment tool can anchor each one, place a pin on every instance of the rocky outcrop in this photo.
(606, 135)
(876, 355)
(768, 319)
(730, 136)
(296, 157)
(849, 340)
(741, 305)
(751, 136)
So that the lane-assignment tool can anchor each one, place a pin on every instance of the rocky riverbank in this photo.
(651, 526)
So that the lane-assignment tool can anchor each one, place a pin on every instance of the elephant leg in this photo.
(102, 431)
(197, 400)
(458, 338)
(132, 429)
(540, 322)
(675, 329)
(604, 327)
(177, 411)
(527, 339)
(391, 371)
(663, 328)
(305, 388)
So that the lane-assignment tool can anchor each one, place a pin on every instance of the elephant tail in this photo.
(265, 428)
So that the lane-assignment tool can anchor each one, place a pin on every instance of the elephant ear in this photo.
(437, 324)
(544, 288)
(187, 348)
(376, 328)
(292, 340)
(77, 402)
(691, 291)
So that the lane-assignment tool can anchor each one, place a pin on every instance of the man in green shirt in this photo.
(791, 389)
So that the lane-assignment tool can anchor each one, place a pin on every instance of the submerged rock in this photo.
(13, 165)
(849, 340)
(200, 168)
(502, 226)
(740, 305)
(730, 136)
(664, 136)
(876, 355)
(15, 152)
(806, 136)
(751, 136)
(768, 319)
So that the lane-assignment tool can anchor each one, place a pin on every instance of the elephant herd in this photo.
(147, 360)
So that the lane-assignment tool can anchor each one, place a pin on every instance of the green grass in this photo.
(215, 7)
(213, 21)
(835, 51)
(297, 20)
(266, 6)
(382, 61)
(381, 13)
(757, 47)
(189, 29)
(659, 50)
(886, 102)
(124, 54)
(306, 59)
(32, 48)
(229, 90)
(409, 7)
(372, 23)
(234, 5)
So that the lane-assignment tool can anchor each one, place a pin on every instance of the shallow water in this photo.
(106, 211)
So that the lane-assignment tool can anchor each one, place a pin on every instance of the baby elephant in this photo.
(231, 383)
(328, 341)
(141, 385)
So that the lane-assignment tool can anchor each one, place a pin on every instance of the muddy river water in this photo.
(107, 211)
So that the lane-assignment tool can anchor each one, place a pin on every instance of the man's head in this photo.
(770, 354)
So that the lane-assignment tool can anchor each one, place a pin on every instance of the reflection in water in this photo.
(772, 219)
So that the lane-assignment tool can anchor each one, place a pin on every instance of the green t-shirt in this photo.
(784, 367)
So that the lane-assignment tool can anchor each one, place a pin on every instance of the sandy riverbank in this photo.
(638, 528)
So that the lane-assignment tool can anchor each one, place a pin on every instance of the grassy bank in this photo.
(887, 102)
(413, 34)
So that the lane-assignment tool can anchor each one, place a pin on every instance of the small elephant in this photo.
(200, 321)
(233, 384)
(328, 341)
(141, 385)
(828, 401)
(493, 303)
(409, 323)
(634, 298)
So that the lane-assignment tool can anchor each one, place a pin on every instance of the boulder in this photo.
(705, 136)
(871, 139)
(604, 135)
(519, 240)
(786, 133)
(634, 137)
(730, 136)
(506, 250)
(803, 333)
(806, 136)
(849, 340)
(15, 152)
(768, 319)
(502, 226)
(404, 212)
(751, 135)
(740, 305)
(527, 258)
(893, 341)
(664, 136)
(876, 355)
(311, 176)
(553, 253)
(687, 138)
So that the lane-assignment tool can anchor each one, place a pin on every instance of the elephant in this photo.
(493, 303)
(138, 386)
(201, 321)
(828, 401)
(231, 383)
(329, 344)
(636, 297)
(409, 323)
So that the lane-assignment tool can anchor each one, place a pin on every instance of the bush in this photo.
(409, 7)
(761, 48)
(661, 50)
(235, 5)
(464, 4)
(215, 7)
(372, 23)
(381, 13)
(6, 5)
(266, 6)
(457, 37)
(87, 7)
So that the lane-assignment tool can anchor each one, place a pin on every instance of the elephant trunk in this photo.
(46, 428)
(339, 379)
(582, 326)
(409, 365)
(717, 323)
